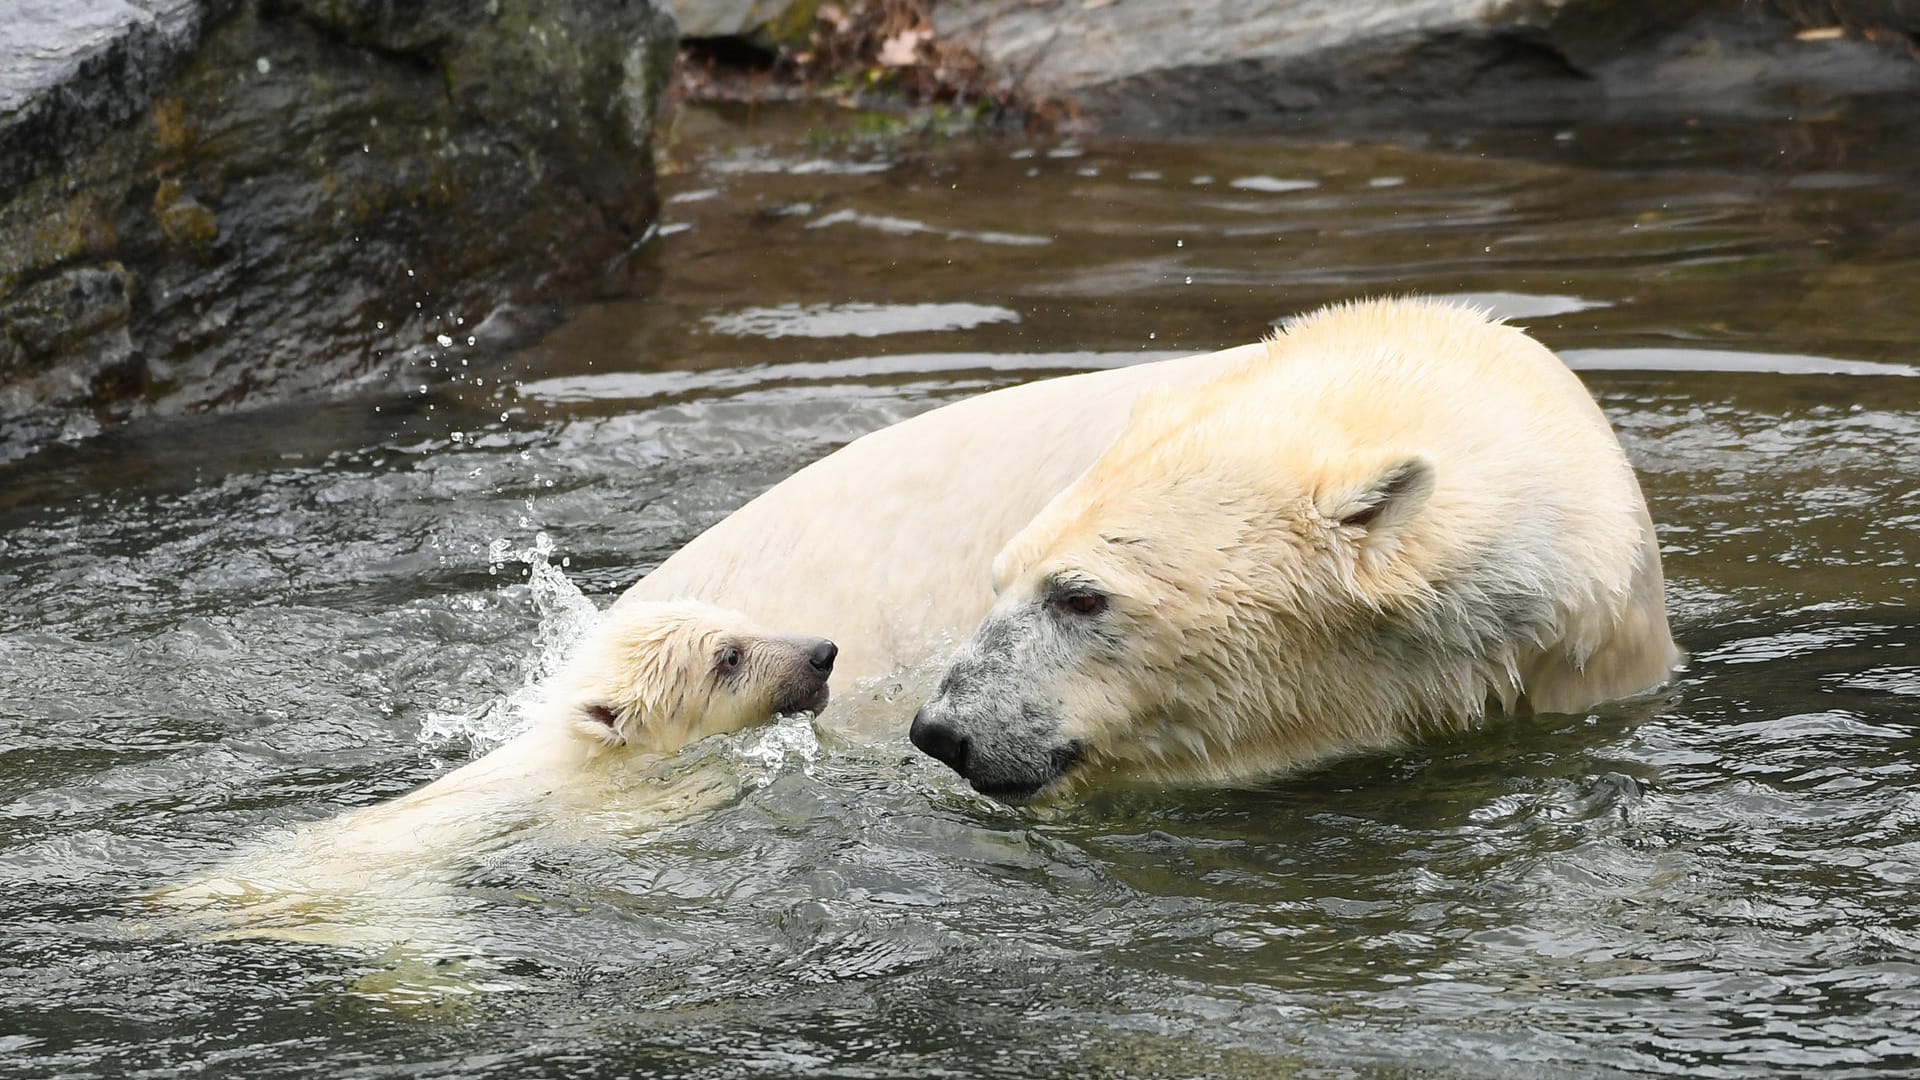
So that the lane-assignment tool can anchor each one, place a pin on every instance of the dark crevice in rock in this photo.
(736, 53)
(1519, 58)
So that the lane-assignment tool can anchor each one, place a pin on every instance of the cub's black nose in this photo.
(940, 741)
(822, 657)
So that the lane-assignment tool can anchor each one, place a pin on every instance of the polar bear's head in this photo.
(655, 676)
(1202, 603)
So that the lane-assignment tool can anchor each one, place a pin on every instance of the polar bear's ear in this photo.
(1387, 501)
(599, 723)
(1001, 571)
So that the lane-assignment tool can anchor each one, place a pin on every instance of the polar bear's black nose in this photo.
(940, 741)
(822, 656)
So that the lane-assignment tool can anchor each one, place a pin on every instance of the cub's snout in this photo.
(804, 688)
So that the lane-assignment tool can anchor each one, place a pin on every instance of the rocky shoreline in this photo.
(1129, 66)
(211, 202)
(1141, 66)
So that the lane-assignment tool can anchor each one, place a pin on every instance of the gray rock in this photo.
(1144, 64)
(204, 202)
(762, 21)
(72, 69)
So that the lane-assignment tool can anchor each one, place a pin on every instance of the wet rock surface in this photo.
(761, 21)
(1142, 65)
(205, 202)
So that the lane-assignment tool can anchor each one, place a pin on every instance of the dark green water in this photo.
(216, 627)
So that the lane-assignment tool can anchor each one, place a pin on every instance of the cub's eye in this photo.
(728, 660)
(1081, 603)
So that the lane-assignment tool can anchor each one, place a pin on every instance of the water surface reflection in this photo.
(217, 626)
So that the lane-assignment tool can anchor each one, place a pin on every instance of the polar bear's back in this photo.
(885, 545)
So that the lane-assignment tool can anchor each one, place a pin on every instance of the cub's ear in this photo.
(1386, 501)
(599, 723)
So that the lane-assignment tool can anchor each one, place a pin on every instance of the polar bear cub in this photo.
(649, 679)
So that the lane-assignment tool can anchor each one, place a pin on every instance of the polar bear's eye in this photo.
(1080, 602)
(728, 660)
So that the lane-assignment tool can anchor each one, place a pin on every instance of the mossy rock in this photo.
(256, 179)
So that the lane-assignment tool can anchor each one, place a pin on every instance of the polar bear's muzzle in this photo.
(993, 773)
(987, 722)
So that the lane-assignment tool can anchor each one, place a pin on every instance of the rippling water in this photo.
(215, 628)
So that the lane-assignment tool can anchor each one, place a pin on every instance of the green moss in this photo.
(185, 222)
(61, 230)
(872, 127)
(794, 26)
(174, 134)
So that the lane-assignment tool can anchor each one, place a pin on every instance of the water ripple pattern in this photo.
(217, 627)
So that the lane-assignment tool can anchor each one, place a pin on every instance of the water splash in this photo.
(789, 740)
(565, 617)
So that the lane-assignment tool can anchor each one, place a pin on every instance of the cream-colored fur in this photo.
(1396, 515)
(645, 682)
(886, 544)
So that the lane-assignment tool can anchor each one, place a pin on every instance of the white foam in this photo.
(565, 617)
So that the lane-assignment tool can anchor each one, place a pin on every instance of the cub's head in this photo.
(655, 676)
(1174, 613)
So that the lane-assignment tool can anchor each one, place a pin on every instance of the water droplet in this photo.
(410, 274)
(445, 341)
(469, 339)
(380, 325)
(1151, 335)
(263, 65)
(1189, 279)
(1179, 243)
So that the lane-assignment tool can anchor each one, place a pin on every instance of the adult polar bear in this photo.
(1400, 515)
(889, 544)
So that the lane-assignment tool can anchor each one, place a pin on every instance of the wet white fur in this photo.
(887, 545)
(1395, 515)
(383, 872)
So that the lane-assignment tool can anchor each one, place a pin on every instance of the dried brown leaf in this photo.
(903, 48)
